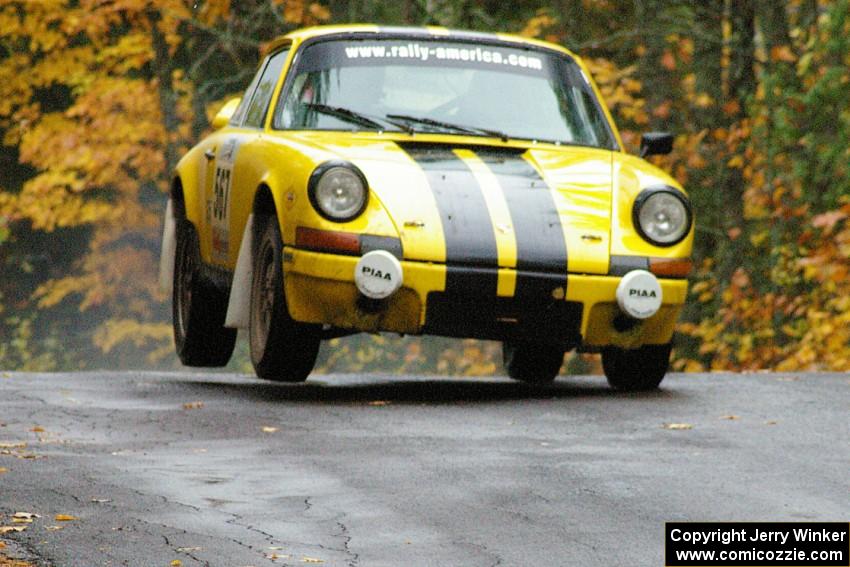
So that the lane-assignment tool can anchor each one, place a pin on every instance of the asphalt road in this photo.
(374, 471)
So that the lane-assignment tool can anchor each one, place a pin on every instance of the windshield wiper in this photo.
(361, 118)
(345, 114)
(474, 130)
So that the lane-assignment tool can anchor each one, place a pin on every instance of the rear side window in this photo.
(236, 119)
(265, 87)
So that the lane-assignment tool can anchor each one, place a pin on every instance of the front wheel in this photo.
(282, 349)
(199, 308)
(533, 363)
(636, 370)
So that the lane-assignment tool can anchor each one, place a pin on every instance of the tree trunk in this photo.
(162, 69)
(738, 86)
(709, 17)
(657, 83)
(773, 23)
(741, 78)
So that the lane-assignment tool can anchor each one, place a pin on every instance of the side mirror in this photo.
(656, 144)
(226, 113)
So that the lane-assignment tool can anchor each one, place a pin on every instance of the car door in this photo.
(216, 179)
(230, 178)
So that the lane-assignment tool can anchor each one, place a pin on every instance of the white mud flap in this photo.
(169, 249)
(239, 304)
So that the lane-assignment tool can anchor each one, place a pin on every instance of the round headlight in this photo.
(662, 216)
(338, 191)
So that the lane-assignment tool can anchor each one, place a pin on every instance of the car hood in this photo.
(533, 209)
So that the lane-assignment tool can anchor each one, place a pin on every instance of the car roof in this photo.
(430, 32)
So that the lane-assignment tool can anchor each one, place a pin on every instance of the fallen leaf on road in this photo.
(771, 422)
(3, 470)
(65, 518)
(37, 429)
(312, 560)
(24, 516)
(379, 403)
(193, 405)
(176, 563)
(730, 417)
(2, 545)
(8, 529)
(267, 429)
(18, 455)
(678, 426)
(13, 445)
(54, 528)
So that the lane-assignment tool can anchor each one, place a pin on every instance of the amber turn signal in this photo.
(671, 267)
(327, 240)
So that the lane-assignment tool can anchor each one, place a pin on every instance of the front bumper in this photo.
(320, 289)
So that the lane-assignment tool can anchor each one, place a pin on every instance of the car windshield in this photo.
(438, 86)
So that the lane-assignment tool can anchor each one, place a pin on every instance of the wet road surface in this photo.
(225, 470)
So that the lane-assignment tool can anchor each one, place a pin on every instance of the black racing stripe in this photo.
(537, 225)
(467, 226)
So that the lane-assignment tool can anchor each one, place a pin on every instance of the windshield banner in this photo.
(332, 54)
(424, 52)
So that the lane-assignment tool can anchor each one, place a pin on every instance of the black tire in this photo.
(198, 308)
(533, 363)
(282, 349)
(636, 370)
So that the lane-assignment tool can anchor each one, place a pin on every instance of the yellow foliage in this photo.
(538, 23)
(302, 13)
(620, 90)
(100, 157)
(212, 11)
(118, 331)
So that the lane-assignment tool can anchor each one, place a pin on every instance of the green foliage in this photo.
(780, 305)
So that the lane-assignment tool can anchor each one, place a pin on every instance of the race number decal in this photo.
(221, 190)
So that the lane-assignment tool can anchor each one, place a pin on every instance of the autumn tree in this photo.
(783, 305)
(99, 99)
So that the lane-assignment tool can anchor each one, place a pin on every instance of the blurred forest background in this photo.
(99, 98)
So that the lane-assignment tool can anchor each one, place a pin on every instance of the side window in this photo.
(236, 119)
(265, 87)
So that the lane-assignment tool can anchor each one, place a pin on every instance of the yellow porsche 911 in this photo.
(425, 181)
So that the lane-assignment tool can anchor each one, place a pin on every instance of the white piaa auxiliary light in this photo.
(639, 294)
(378, 274)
